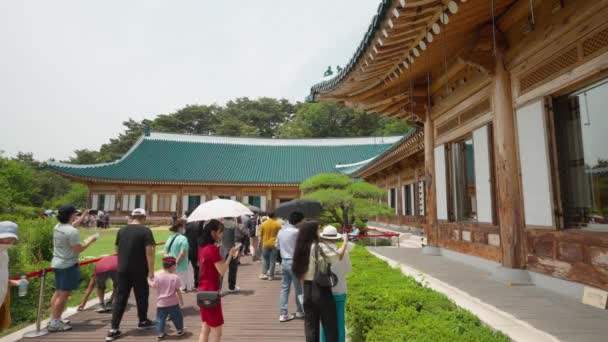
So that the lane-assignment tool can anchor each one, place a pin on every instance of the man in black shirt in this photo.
(135, 248)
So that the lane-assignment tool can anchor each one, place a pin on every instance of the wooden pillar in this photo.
(400, 202)
(429, 172)
(180, 202)
(269, 204)
(89, 196)
(509, 203)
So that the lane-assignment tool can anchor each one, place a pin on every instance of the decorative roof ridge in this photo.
(259, 141)
(84, 166)
(396, 145)
(369, 35)
(339, 166)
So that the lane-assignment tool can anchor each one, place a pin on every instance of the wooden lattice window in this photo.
(552, 68)
(595, 42)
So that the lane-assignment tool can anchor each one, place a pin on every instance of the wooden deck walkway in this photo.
(252, 315)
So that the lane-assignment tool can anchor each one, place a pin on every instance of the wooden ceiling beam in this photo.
(390, 100)
(517, 11)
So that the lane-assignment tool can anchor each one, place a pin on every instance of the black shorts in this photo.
(102, 278)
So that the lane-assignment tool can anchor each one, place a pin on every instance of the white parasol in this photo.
(217, 209)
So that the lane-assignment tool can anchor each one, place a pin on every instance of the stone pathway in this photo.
(525, 313)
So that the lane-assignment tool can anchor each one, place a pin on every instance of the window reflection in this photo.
(581, 121)
(462, 178)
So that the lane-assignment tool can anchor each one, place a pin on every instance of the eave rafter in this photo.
(416, 38)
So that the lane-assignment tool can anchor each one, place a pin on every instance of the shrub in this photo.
(379, 242)
(35, 246)
(384, 305)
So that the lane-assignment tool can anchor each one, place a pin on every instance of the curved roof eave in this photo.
(369, 34)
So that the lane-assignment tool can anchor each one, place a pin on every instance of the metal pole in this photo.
(39, 332)
(398, 238)
(375, 241)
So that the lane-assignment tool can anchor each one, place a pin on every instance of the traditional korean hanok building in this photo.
(512, 96)
(172, 173)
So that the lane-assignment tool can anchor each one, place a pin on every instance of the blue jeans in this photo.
(269, 255)
(288, 278)
(340, 304)
(176, 316)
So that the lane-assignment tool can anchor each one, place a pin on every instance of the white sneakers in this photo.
(286, 318)
(289, 317)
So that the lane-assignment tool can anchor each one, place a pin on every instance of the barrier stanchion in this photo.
(39, 332)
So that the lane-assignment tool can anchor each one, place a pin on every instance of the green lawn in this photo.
(105, 244)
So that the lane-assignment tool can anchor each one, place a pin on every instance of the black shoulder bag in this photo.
(168, 253)
(324, 277)
(207, 299)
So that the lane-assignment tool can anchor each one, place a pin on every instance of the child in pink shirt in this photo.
(169, 298)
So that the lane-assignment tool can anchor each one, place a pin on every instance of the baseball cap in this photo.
(8, 229)
(169, 260)
(138, 212)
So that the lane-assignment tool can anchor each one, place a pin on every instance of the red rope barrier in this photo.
(36, 274)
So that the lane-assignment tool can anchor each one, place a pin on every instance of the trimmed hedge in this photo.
(384, 305)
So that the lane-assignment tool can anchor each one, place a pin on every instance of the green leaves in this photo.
(328, 119)
(366, 190)
(345, 200)
(326, 180)
(384, 305)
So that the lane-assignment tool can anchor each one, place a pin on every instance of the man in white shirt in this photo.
(286, 243)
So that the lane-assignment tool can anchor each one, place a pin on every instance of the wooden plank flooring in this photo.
(252, 315)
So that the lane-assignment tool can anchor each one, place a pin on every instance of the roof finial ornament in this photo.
(146, 130)
(328, 72)
(338, 68)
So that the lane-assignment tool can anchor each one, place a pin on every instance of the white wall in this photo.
(534, 162)
(441, 183)
(483, 181)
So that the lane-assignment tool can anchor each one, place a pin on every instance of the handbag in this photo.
(324, 277)
(207, 299)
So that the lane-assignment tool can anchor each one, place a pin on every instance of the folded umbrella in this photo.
(309, 208)
(218, 208)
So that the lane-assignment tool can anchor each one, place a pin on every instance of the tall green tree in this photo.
(345, 200)
(326, 119)
(265, 115)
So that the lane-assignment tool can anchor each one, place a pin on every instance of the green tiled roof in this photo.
(163, 157)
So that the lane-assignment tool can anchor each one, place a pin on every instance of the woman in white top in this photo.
(340, 268)
(311, 254)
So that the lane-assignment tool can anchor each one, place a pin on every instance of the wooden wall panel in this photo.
(574, 255)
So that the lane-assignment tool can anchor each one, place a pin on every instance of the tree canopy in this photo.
(23, 185)
(344, 199)
(262, 117)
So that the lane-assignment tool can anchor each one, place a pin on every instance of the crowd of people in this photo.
(196, 256)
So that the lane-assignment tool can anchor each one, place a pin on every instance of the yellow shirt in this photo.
(268, 232)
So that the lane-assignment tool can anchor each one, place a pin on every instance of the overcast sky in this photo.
(72, 71)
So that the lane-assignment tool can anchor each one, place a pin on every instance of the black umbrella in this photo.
(254, 208)
(310, 209)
